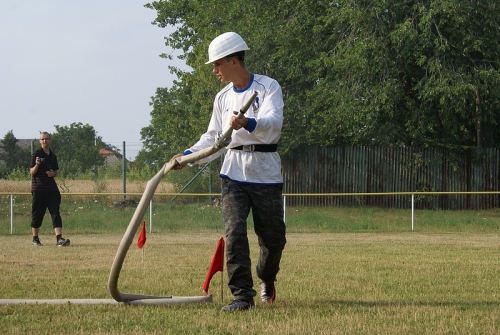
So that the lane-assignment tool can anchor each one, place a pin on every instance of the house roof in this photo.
(26, 144)
(23, 143)
(106, 152)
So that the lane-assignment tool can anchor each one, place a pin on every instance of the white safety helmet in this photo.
(225, 45)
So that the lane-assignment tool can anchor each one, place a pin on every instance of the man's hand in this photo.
(51, 173)
(236, 123)
(177, 166)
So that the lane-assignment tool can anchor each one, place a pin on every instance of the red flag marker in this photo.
(216, 265)
(142, 236)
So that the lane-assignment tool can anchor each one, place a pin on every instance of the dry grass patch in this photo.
(14, 186)
(87, 186)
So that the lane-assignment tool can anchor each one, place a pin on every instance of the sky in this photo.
(91, 61)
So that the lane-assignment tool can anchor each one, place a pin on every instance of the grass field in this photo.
(105, 214)
(344, 271)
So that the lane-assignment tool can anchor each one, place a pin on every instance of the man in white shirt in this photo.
(251, 171)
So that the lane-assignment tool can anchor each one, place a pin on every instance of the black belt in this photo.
(258, 147)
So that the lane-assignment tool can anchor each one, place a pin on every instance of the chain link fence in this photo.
(119, 178)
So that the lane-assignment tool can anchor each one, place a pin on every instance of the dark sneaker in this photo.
(63, 242)
(239, 305)
(267, 292)
(36, 243)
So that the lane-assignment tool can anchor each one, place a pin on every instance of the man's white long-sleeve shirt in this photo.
(264, 127)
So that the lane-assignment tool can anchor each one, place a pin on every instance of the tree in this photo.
(13, 157)
(181, 114)
(453, 49)
(77, 148)
(378, 72)
(401, 73)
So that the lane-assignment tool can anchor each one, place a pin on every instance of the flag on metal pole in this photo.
(142, 236)
(216, 265)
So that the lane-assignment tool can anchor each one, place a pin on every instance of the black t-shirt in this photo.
(40, 181)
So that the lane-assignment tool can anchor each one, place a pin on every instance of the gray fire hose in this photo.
(223, 139)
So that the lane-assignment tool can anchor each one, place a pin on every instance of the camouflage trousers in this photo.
(266, 203)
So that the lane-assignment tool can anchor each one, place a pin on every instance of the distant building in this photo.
(111, 157)
(24, 143)
(114, 158)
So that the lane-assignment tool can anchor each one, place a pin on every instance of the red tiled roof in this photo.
(106, 152)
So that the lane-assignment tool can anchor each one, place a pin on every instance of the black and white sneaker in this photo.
(267, 292)
(36, 243)
(63, 242)
(239, 305)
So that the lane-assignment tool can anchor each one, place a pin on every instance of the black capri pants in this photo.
(40, 202)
